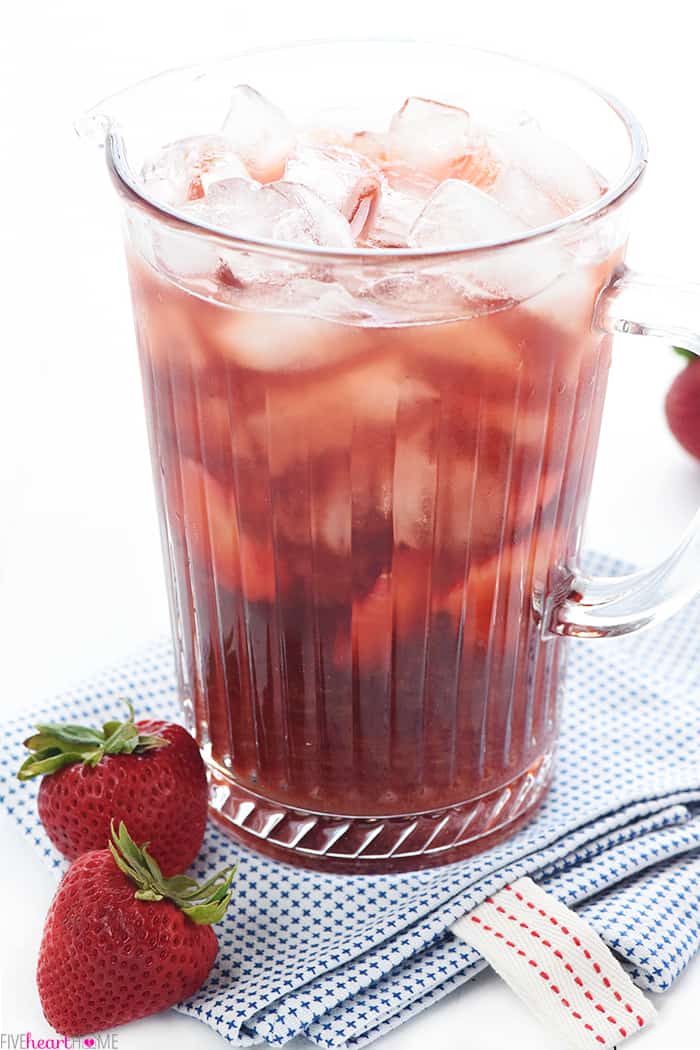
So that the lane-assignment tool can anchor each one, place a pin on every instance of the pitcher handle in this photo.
(603, 606)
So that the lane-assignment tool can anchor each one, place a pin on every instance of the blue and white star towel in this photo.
(344, 959)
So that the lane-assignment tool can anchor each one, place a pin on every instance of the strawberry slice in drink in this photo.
(390, 612)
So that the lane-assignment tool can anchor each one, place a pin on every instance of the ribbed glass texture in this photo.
(363, 519)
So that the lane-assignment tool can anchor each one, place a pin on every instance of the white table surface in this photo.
(80, 569)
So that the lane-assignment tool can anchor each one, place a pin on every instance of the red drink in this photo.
(374, 352)
(360, 540)
(372, 466)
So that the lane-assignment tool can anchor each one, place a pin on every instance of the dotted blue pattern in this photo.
(344, 959)
(653, 921)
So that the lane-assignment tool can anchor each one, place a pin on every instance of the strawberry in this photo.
(122, 941)
(149, 774)
(683, 405)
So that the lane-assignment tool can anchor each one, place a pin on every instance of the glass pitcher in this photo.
(372, 488)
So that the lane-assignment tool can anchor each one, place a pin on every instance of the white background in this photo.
(80, 570)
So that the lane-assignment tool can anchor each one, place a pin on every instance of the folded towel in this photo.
(343, 959)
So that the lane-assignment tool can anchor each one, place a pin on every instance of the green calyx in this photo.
(54, 746)
(204, 905)
(687, 354)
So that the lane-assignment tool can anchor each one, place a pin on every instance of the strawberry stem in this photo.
(204, 905)
(55, 745)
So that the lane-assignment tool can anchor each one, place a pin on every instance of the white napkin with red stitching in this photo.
(557, 965)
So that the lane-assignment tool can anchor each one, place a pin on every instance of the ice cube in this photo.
(569, 304)
(371, 144)
(268, 342)
(238, 206)
(415, 482)
(394, 215)
(167, 333)
(422, 296)
(276, 342)
(184, 255)
(308, 219)
(299, 293)
(334, 524)
(403, 194)
(344, 179)
(459, 213)
(464, 352)
(259, 132)
(326, 299)
(557, 174)
(279, 211)
(404, 179)
(184, 170)
(374, 391)
(442, 141)
(517, 191)
(206, 511)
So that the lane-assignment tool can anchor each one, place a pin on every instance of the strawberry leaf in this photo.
(204, 904)
(71, 734)
(687, 354)
(55, 745)
(49, 760)
(123, 740)
(210, 913)
(43, 741)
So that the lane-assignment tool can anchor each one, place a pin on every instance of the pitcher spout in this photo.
(94, 126)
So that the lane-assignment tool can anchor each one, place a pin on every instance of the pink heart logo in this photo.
(88, 1042)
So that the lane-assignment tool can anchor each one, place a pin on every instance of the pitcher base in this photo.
(377, 845)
